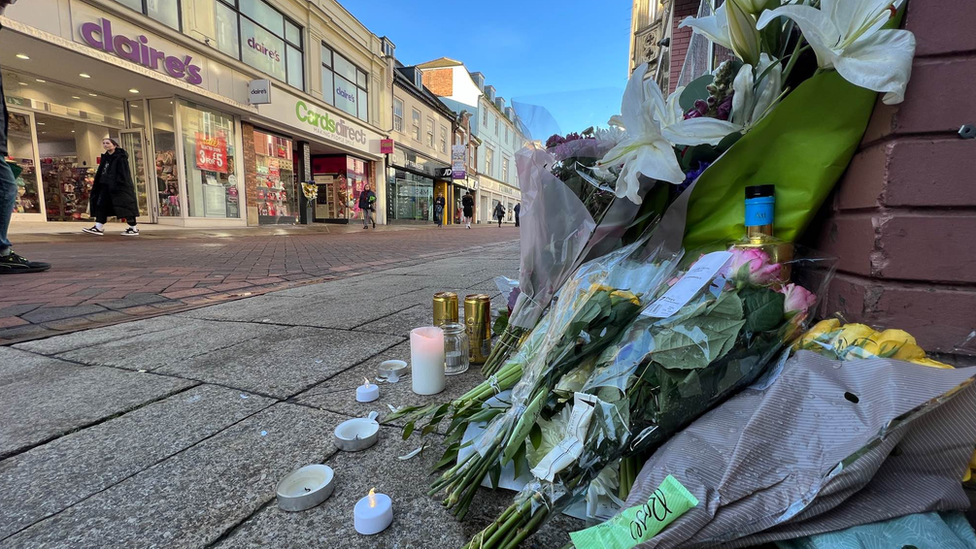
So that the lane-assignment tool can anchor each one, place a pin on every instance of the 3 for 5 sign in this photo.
(211, 153)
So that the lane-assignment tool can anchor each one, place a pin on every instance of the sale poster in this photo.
(211, 153)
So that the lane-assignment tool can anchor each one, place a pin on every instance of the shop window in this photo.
(209, 158)
(259, 35)
(397, 114)
(416, 125)
(167, 13)
(21, 152)
(277, 192)
(164, 145)
(344, 85)
(443, 140)
(430, 132)
(505, 169)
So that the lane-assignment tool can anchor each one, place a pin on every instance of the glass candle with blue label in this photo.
(760, 217)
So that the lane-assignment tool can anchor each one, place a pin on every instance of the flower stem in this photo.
(794, 56)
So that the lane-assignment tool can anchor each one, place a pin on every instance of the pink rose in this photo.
(752, 265)
(798, 299)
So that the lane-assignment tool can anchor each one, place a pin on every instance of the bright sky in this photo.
(568, 57)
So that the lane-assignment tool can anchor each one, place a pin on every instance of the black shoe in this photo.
(94, 230)
(15, 264)
(374, 224)
(365, 226)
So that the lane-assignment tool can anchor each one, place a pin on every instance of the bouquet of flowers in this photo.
(710, 333)
(310, 190)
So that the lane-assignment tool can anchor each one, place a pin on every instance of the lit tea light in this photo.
(373, 513)
(368, 392)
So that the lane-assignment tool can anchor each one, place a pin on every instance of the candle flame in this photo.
(372, 497)
(365, 382)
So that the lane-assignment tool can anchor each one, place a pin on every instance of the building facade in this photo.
(223, 105)
(420, 168)
(650, 37)
(494, 124)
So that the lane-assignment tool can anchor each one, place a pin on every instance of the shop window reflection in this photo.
(21, 152)
(208, 154)
(164, 146)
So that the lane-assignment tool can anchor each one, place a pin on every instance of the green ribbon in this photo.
(640, 523)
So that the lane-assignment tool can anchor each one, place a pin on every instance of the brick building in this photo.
(902, 220)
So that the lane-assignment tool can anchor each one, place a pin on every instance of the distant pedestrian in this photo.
(113, 194)
(499, 213)
(467, 205)
(10, 263)
(367, 203)
(518, 209)
(439, 207)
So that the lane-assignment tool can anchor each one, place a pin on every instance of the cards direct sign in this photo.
(328, 125)
(211, 153)
(137, 49)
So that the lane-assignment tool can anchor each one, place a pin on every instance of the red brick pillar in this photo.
(903, 219)
(250, 169)
(680, 38)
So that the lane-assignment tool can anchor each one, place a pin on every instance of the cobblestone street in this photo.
(104, 280)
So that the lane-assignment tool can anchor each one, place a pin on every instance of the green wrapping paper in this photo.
(802, 146)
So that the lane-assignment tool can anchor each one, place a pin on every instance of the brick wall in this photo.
(903, 218)
(439, 81)
(250, 169)
(680, 38)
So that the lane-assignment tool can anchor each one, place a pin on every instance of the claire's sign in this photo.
(137, 49)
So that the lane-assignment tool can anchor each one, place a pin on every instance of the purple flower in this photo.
(691, 176)
(699, 110)
(512, 298)
(724, 109)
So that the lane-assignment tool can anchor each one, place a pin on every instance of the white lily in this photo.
(715, 27)
(847, 36)
(742, 32)
(693, 131)
(749, 103)
(643, 150)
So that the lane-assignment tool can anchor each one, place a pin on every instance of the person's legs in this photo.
(8, 196)
(372, 218)
(365, 218)
(131, 230)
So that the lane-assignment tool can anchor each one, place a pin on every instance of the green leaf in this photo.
(695, 342)
(493, 473)
(763, 310)
(519, 461)
(695, 90)
(535, 435)
(430, 428)
(407, 430)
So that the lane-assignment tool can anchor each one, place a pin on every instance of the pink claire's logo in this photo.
(258, 46)
(99, 35)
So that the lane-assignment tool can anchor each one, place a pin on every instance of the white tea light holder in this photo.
(357, 434)
(388, 367)
(306, 487)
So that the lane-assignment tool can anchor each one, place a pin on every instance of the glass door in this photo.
(134, 143)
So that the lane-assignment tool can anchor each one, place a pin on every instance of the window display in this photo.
(277, 192)
(21, 151)
(412, 197)
(209, 160)
(340, 179)
(67, 187)
(164, 145)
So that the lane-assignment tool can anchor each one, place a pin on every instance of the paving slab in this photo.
(50, 478)
(186, 339)
(338, 394)
(47, 314)
(42, 397)
(419, 521)
(282, 362)
(192, 498)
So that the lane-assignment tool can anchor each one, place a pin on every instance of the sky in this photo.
(568, 57)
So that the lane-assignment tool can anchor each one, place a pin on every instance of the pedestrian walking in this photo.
(113, 194)
(367, 203)
(499, 213)
(467, 205)
(439, 206)
(518, 209)
(10, 263)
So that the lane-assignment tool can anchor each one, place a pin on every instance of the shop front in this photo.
(343, 158)
(414, 181)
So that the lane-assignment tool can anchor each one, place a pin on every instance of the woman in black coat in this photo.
(113, 194)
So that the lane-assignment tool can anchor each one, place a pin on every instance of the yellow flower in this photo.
(972, 461)
(594, 288)
(968, 475)
(625, 295)
(817, 333)
(925, 361)
(850, 335)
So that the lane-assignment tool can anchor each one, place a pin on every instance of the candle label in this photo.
(640, 523)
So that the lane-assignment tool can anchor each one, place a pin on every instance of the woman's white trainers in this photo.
(94, 230)
(130, 231)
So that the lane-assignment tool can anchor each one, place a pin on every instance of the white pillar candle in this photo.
(373, 513)
(427, 360)
(367, 392)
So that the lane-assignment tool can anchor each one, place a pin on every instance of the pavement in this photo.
(99, 281)
(173, 430)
